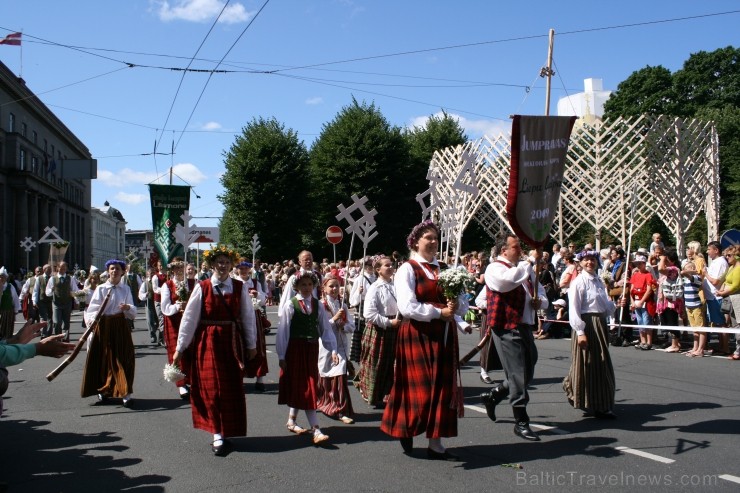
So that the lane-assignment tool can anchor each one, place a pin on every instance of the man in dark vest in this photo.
(513, 298)
(61, 288)
(42, 302)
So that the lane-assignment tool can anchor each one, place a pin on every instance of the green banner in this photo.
(169, 203)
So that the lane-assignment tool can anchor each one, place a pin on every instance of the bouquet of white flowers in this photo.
(183, 293)
(606, 276)
(173, 373)
(454, 282)
(256, 303)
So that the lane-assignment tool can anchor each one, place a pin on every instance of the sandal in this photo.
(294, 428)
(672, 349)
(346, 420)
(318, 436)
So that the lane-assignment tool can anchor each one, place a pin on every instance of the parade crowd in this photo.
(385, 324)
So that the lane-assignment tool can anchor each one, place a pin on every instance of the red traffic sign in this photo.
(334, 235)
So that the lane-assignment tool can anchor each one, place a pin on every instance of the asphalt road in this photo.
(678, 428)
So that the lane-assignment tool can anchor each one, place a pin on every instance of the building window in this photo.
(22, 160)
(34, 164)
(11, 122)
(35, 135)
(24, 129)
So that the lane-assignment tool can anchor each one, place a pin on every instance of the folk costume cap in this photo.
(115, 261)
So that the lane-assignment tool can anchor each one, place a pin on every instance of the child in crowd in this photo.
(303, 320)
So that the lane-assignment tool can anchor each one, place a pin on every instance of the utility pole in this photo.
(548, 72)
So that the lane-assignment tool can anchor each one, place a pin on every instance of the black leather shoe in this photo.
(605, 415)
(523, 430)
(153, 340)
(491, 399)
(128, 403)
(259, 386)
(446, 455)
(407, 444)
(223, 449)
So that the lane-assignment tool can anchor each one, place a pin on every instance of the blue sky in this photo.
(319, 54)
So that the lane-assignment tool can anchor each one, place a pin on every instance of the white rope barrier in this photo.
(682, 328)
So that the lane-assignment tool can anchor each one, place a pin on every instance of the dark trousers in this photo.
(62, 314)
(518, 354)
(152, 319)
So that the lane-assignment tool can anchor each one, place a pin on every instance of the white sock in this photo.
(483, 373)
(127, 397)
(217, 439)
(313, 419)
(436, 445)
(183, 390)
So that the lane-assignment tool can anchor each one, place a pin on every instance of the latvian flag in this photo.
(13, 39)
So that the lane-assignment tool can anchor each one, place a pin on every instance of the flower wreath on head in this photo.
(416, 233)
(178, 264)
(210, 255)
(300, 275)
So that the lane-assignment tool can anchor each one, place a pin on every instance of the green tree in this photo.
(648, 90)
(265, 190)
(359, 152)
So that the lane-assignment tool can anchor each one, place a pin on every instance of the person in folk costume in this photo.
(426, 396)
(305, 264)
(514, 296)
(146, 294)
(134, 283)
(61, 287)
(375, 378)
(174, 298)
(257, 367)
(218, 323)
(109, 368)
(357, 294)
(302, 322)
(489, 360)
(333, 391)
(30, 312)
(9, 305)
(88, 287)
(42, 301)
(590, 383)
(158, 280)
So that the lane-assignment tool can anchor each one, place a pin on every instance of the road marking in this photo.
(646, 455)
(730, 477)
(551, 429)
(475, 408)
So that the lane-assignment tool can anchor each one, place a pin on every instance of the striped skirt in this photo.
(355, 351)
(7, 323)
(298, 385)
(375, 378)
(110, 365)
(590, 383)
(333, 397)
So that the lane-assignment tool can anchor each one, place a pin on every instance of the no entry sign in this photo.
(334, 235)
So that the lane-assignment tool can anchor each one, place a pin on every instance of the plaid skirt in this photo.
(171, 329)
(216, 394)
(298, 386)
(333, 397)
(422, 399)
(355, 351)
(109, 368)
(375, 378)
(257, 366)
(590, 383)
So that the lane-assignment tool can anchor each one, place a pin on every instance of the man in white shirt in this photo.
(41, 301)
(714, 276)
(514, 296)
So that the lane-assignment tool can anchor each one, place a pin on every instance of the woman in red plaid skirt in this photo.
(257, 368)
(217, 324)
(426, 396)
(303, 321)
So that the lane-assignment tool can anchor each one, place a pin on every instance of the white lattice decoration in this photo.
(674, 161)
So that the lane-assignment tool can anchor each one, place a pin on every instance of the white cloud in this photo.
(131, 198)
(473, 128)
(211, 126)
(201, 11)
(316, 100)
(128, 177)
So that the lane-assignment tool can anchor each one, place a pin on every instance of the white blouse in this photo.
(380, 304)
(587, 294)
(405, 284)
(191, 315)
(121, 293)
(286, 315)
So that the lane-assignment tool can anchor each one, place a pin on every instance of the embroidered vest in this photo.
(162, 278)
(42, 288)
(6, 301)
(304, 326)
(62, 290)
(504, 310)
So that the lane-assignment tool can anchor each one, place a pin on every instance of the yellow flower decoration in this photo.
(210, 255)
